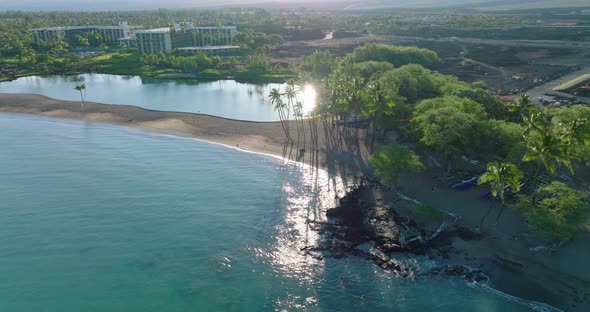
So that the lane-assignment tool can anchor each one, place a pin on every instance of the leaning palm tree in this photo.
(82, 89)
(548, 150)
(279, 106)
(500, 176)
(291, 95)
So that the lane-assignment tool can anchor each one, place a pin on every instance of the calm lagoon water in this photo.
(97, 217)
(223, 98)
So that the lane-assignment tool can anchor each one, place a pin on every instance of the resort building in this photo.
(188, 39)
(109, 34)
(154, 40)
(211, 36)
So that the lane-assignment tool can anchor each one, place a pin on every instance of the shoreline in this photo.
(504, 253)
(251, 136)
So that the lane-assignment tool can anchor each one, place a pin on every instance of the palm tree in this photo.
(375, 109)
(534, 123)
(279, 106)
(573, 136)
(500, 176)
(576, 132)
(549, 150)
(522, 105)
(291, 95)
(82, 89)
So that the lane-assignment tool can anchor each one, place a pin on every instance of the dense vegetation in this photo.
(377, 87)
(454, 119)
(20, 56)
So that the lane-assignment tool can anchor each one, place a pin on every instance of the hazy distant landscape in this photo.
(484, 5)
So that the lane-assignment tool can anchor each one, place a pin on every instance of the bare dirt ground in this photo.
(293, 51)
(507, 67)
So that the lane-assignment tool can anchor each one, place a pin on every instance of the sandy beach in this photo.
(259, 137)
(507, 252)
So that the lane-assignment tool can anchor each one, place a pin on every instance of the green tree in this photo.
(548, 150)
(372, 69)
(495, 108)
(500, 176)
(320, 64)
(82, 89)
(449, 125)
(395, 55)
(556, 213)
(522, 106)
(82, 40)
(279, 106)
(575, 129)
(392, 160)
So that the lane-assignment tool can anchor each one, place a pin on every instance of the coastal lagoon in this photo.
(223, 98)
(97, 217)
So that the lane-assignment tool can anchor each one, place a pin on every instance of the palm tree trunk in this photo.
(536, 181)
(500, 213)
(485, 217)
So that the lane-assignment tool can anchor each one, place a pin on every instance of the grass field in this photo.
(121, 63)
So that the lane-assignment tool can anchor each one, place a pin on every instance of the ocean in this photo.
(97, 217)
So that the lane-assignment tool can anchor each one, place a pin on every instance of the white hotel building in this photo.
(188, 37)
(109, 34)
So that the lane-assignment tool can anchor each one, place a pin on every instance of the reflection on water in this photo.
(223, 98)
(307, 200)
(310, 98)
(103, 218)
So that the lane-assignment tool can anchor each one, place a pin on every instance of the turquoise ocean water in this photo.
(97, 217)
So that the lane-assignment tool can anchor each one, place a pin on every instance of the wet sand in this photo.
(259, 137)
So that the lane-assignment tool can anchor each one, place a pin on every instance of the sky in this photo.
(91, 5)
(94, 5)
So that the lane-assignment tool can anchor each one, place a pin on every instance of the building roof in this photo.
(155, 30)
(82, 27)
(63, 28)
(209, 48)
(213, 27)
(186, 27)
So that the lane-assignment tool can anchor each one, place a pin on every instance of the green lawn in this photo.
(121, 63)
(263, 76)
(124, 63)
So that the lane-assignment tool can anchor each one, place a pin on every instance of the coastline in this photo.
(504, 252)
(204, 127)
(259, 137)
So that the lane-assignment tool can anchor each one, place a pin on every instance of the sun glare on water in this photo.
(310, 97)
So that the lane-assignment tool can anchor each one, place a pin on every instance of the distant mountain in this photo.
(103, 5)
(483, 5)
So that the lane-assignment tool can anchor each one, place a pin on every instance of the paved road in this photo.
(540, 90)
(512, 43)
